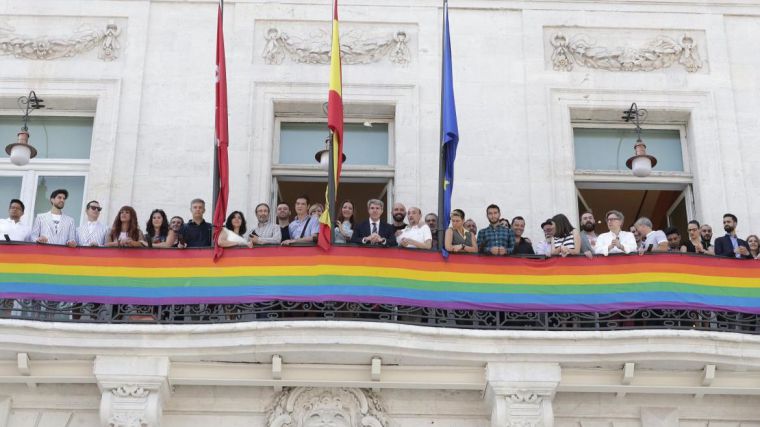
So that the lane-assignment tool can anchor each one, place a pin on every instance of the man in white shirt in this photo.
(54, 227)
(615, 241)
(652, 240)
(12, 227)
(92, 233)
(416, 235)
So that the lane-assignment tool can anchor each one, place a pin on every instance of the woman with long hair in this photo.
(754, 246)
(157, 231)
(344, 224)
(125, 231)
(458, 238)
(694, 243)
(233, 231)
(567, 240)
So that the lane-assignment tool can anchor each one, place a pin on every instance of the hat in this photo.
(545, 223)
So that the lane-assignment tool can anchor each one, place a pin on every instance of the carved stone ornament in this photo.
(662, 52)
(326, 407)
(130, 405)
(527, 408)
(356, 48)
(83, 40)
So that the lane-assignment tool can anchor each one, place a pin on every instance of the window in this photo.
(367, 172)
(603, 182)
(63, 161)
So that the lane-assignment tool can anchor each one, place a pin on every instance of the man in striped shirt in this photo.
(92, 233)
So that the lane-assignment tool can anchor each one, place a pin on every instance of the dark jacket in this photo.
(724, 248)
(385, 231)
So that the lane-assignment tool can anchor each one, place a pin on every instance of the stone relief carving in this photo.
(127, 420)
(326, 407)
(85, 39)
(356, 47)
(130, 405)
(662, 52)
(130, 391)
(528, 408)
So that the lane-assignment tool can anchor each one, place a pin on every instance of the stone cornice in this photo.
(346, 342)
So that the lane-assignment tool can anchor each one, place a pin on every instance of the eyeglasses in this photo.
(96, 208)
(692, 229)
(613, 218)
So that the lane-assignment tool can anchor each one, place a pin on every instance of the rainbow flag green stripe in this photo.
(370, 275)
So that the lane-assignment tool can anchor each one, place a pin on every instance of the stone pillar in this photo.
(133, 389)
(521, 394)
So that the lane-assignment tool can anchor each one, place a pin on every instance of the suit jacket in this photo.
(724, 248)
(385, 231)
(62, 234)
(98, 234)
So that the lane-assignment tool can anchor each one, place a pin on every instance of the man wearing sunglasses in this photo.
(92, 232)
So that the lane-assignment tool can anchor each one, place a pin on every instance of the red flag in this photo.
(222, 136)
(335, 123)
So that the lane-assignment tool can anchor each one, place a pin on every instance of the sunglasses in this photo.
(96, 208)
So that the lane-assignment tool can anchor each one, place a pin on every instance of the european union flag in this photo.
(449, 130)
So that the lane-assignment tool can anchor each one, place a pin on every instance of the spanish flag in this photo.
(335, 124)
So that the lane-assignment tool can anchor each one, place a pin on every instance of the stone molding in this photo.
(357, 47)
(133, 389)
(661, 51)
(521, 394)
(339, 407)
(84, 39)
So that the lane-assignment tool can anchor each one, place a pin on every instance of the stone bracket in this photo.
(521, 394)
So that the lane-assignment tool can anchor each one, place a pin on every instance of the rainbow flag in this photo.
(335, 124)
(377, 275)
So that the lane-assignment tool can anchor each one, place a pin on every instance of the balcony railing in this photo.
(673, 291)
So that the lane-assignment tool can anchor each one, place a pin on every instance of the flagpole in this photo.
(440, 231)
(331, 186)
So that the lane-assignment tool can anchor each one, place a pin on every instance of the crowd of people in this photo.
(407, 229)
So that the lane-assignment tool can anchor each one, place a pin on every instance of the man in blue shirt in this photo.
(495, 239)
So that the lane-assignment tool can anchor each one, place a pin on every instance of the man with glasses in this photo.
(617, 240)
(54, 227)
(12, 229)
(92, 233)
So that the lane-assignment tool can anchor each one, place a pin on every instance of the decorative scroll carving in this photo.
(662, 52)
(130, 391)
(83, 40)
(356, 48)
(131, 405)
(126, 420)
(326, 407)
(526, 409)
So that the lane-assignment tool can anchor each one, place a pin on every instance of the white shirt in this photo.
(603, 241)
(17, 231)
(420, 233)
(654, 238)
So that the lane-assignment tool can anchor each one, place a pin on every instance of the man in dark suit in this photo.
(729, 245)
(373, 231)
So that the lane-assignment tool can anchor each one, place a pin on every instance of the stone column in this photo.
(521, 394)
(133, 389)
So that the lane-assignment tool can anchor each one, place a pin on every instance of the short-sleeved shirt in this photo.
(296, 227)
(653, 239)
(197, 235)
(420, 233)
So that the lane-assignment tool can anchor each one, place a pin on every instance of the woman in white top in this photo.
(344, 224)
(567, 240)
(125, 231)
(233, 231)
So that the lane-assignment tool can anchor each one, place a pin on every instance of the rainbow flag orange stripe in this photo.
(370, 275)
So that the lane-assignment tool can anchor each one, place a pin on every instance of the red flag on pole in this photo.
(335, 123)
(222, 136)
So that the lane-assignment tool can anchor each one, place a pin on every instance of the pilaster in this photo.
(133, 389)
(521, 394)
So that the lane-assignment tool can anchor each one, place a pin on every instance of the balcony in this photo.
(97, 285)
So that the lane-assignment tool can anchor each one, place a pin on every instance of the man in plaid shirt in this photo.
(495, 239)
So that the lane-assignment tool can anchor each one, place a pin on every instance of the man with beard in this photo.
(283, 220)
(54, 227)
(417, 235)
(265, 232)
(431, 220)
(674, 239)
(706, 233)
(588, 235)
(398, 213)
(729, 245)
(495, 239)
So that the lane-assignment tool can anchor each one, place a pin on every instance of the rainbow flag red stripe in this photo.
(369, 275)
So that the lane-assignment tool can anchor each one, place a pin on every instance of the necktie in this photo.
(374, 227)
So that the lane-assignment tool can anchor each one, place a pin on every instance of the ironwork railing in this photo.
(400, 314)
